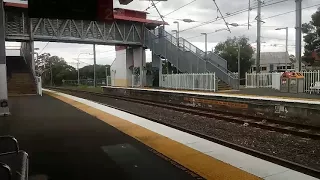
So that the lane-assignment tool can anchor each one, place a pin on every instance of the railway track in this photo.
(300, 130)
(289, 164)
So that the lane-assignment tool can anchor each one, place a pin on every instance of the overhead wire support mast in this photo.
(249, 10)
(222, 15)
(258, 37)
(232, 14)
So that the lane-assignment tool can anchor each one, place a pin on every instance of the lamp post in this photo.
(78, 66)
(206, 49)
(287, 32)
(239, 56)
(178, 30)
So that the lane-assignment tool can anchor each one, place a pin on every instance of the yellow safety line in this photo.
(202, 164)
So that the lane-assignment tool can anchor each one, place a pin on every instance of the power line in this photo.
(151, 5)
(264, 37)
(222, 15)
(180, 8)
(231, 14)
(275, 16)
(44, 47)
(162, 16)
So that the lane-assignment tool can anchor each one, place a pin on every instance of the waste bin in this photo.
(296, 82)
(284, 82)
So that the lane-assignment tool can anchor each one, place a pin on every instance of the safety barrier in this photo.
(89, 82)
(202, 81)
(272, 80)
(263, 80)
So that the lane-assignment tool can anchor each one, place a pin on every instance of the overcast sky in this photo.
(201, 11)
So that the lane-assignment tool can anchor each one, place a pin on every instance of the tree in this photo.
(57, 65)
(87, 71)
(312, 37)
(229, 51)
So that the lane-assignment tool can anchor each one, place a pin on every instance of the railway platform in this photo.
(272, 93)
(64, 142)
(73, 138)
(304, 111)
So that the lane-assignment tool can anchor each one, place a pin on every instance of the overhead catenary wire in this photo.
(44, 47)
(231, 15)
(264, 37)
(222, 15)
(273, 16)
(150, 5)
(179, 8)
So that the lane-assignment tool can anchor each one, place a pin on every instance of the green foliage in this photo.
(229, 51)
(87, 71)
(59, 67)
(62, 71)
(312, 37)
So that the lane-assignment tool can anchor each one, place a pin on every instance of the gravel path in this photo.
(289, 147)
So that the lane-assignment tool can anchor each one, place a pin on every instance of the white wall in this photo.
(12, 52)
(118, 69)
(129, 62)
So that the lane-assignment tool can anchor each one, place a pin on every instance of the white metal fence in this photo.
(263, 80)
(204, 82)
(310, 78)
(272, 80)
(89, 82)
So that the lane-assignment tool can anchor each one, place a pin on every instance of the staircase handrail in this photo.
(172, 38)
(29, 65)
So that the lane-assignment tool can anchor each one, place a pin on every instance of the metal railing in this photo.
(310, 77)
(163, 43)
(272, 80)
(88, 82)
(263, 80)
(24, 50)
(203, 82)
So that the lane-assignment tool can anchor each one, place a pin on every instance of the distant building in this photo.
(273, 62)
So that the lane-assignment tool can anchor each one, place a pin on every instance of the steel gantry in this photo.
(18, 27)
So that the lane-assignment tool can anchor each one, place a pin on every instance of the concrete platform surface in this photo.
(209, 159)
(66, 143)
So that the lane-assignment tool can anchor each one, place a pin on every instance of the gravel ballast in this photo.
(293, 148)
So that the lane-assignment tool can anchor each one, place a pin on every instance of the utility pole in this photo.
(287, 36)
(298, 31)
(206, 49)
(94, 66)
(258, 37)
(287, 32)
(78, 72)
(51, 75)
(107, 76)
(239, 56)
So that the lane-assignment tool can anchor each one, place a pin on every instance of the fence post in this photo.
(193, 81)
(318, 75)
(214, 82)
(210, 79)
(132, 80)
(246, 80)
